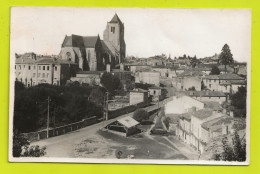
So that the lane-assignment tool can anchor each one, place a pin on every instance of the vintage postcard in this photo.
(130, 85)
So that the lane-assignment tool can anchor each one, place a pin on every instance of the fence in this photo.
(35, 136)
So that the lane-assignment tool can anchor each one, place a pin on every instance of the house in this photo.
(189, 79)
(227, 83)
(182, 104)
(206, 124)
(136, 68)
(94, 77)
(124, 126)
(183, 129)
(166, 72)
(155, 92)
(44, 69)
(124, 77)
(148, 77)
(88, 77)
(138, 96)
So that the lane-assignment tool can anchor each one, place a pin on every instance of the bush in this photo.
(146, 122)
(140, 115)
(159, 132)
(22, 148)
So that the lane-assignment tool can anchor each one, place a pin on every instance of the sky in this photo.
(148, 31)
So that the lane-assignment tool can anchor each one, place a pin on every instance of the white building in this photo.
(183, 104)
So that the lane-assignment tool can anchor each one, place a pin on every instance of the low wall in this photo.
(35, 136)
(125, 110)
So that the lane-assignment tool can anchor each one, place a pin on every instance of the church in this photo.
(91, 53)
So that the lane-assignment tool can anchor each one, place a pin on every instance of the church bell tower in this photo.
(114, 37)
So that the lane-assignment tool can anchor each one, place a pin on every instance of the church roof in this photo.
(80, 41)
(90, 41)
(116, 19)
(105, 47)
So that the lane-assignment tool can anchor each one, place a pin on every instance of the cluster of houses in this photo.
(197, 122)
(85, 59)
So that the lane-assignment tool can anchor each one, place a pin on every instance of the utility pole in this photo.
(158, 105)
(107, 106)
(48, 117)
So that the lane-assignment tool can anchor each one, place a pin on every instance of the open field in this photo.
(140, 146)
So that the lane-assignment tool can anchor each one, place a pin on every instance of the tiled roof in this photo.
(191, 73)
(202, 114)
(139, 90)
(217, 121)
(128, 121)
(49, 60)
(226, 76)
(205, 93)
(90, 41)
(80, 41)
(212, 105)
(105, 47)
(90, 72)
(116, 19)
(230, 76)
(24, 61)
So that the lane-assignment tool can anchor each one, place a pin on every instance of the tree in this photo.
(164, 93)
(214, 70)
(226, 56)
(234, 152)
(110, 82)
(192, 89)
(97, 96)
(22, 148)
(140, 115)
(238, 101)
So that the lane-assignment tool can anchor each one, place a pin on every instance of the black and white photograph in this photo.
(130, 85)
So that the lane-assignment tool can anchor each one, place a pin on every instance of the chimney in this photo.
(108, 67)
(122, 68)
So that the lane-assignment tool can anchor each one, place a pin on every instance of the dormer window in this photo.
(112, 29)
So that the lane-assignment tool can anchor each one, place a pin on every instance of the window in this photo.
(112, 29)
(89, 55)
(20, 67)
(43, 75)
(39, 74)
(215, 80)
(14, 66)
(24, 66)
(34, 67)
(29, 67)
(39, 67)
(34, 74)
(55, 68)
(154, 92)
(209, 80)
(48, 67)
(209, 85)
(47, 75)
(43, 68)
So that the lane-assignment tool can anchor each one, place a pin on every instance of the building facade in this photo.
(40, 70)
